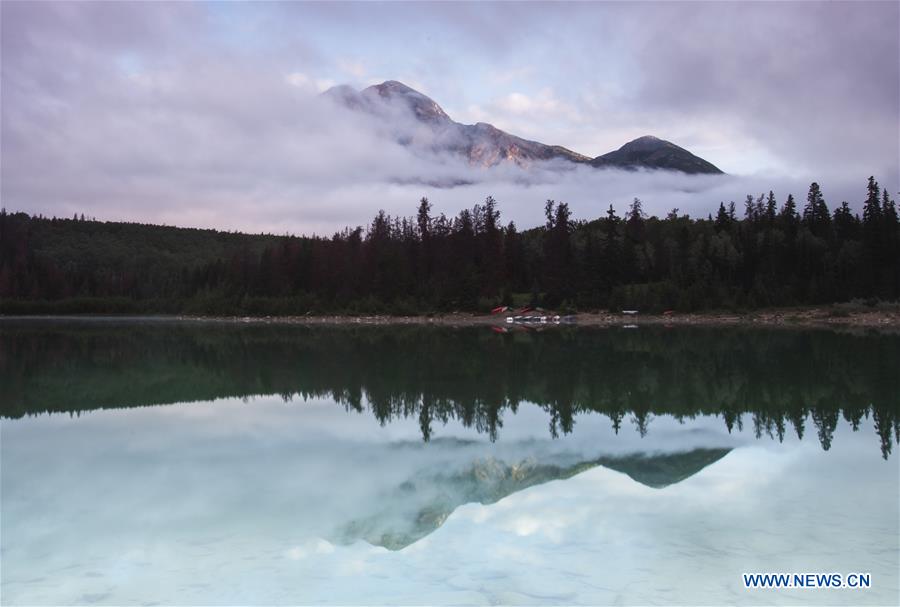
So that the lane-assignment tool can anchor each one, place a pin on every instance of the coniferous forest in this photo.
(764, 252)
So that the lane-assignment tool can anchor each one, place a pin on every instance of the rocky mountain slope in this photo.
(415, 119)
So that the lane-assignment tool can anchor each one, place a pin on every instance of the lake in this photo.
(163, 462)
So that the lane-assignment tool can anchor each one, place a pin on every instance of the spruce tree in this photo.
(771, 208)
(872, 206)
(788, 216)
(722, 219)
(891, 239)
(815, 214)
(888, 211)
(423, 218)
(844, 222)
(611, 249)
(872, 237)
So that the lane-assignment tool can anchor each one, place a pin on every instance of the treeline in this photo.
(766, 254)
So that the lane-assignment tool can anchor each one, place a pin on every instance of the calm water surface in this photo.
(186, 463)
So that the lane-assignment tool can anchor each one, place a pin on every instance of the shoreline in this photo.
(835, 317)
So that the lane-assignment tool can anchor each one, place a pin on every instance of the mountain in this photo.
(423, 107)
(420, 505)
(652, 152)
(482, 144)
(663, 470)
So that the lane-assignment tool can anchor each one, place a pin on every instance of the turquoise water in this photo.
(186, 463)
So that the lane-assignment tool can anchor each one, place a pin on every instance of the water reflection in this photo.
(420, 505)
(656, 483)
(775, 380)
(271, 503)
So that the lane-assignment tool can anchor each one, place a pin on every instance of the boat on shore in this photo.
(542, 319)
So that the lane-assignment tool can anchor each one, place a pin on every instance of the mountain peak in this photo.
(655, 153)
(647, 141)
(421, 105)
(394, 85)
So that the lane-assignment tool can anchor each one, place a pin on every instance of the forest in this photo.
(767, 253)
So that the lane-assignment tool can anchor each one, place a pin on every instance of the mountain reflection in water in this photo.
(421, 505)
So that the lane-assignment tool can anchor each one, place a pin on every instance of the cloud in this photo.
(816, 83)
(302, 81)
(353, 68)
(543, 103)
(206, 114)
(514, 74)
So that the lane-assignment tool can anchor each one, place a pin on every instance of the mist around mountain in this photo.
(311, 166)
(415, 120)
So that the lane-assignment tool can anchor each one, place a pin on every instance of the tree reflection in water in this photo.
(775, 379)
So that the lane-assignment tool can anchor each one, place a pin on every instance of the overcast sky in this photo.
(201, 114)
